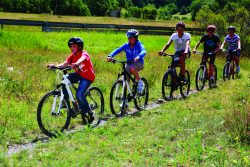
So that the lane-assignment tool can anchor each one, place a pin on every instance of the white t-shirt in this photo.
(180, 43)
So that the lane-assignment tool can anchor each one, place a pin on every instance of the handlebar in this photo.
(53, 68)
(122, 62)
(166, 54)
(203, 53)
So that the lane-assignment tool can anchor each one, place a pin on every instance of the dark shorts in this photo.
(233, 53)
(138, 66)
(210, 57)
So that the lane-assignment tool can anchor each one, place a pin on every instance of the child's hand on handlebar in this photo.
(136, 59)
(109, 59)
(74, 65)
(160, 53)
(51, 66)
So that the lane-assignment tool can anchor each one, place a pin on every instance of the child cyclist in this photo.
(233, 41)
(181, 41)
(211, 44)
(135, 52)
(80, 61)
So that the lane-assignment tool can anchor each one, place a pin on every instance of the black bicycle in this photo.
(54, 111)
(123, 92)
(172, 81)
(202, 74)
(230, 66)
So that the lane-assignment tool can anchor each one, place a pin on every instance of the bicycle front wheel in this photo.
(141, 99)
(185, 87)
(226, 72)
(167, 86)
(96, 103)
(200, 78)
(117, 97)
(53, 114)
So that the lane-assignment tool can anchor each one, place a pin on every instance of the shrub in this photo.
(149, 13)
(134, 12)
(176, 18)
(206, 17)
(98, 7)
(239, 18)
(124, 13)
(237, 123)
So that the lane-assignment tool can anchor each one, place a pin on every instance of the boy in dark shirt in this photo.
(211, 43)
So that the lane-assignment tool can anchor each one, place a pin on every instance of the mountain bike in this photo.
(230, 66)
(202, 74)
(54, 111)
(123, 92)
(172, 81)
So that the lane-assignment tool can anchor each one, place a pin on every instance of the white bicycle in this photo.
(54, 111)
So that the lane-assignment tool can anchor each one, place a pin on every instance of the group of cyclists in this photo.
(79, 59)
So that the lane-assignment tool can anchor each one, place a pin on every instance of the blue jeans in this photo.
(80, 93)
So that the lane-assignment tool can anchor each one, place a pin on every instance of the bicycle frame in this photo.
(125, 82)
(204, 64)
(66, 82)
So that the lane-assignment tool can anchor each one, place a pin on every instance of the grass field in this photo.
(93, 20)
(190, 132)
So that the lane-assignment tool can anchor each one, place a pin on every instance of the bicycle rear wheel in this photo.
(167, 86)
(141, 100)
(226, 72)
(53, 117)
(96, 103)
(200, 78)
(185, 87)
(117, 98)
(213, 84)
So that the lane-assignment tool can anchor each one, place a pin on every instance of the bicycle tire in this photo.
(95, 99)
(185, 93)
(200, 79)
(145, 94)
(226, 72)
(42, 121)
(119, 99)
(167, 86)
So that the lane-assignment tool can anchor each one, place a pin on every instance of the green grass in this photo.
(92, 20)
(187, 132)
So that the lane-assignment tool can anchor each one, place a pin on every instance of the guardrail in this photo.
(64, 26)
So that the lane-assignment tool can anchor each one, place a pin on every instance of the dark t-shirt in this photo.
(210, 43)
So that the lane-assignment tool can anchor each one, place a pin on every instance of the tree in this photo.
(100, 7)
(39, 6)
(71, 7)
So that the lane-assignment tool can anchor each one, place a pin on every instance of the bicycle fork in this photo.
(53, 110)
(204, 73)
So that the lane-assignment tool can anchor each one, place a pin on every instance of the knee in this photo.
(132, 69)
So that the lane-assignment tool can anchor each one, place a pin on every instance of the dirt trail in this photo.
(13, 149)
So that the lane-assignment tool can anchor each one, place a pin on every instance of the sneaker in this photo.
(140, 87)
(184, 79)
(212, 80)
(91, 117)
(126, 104)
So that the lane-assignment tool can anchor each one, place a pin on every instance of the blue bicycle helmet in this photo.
(132, 33)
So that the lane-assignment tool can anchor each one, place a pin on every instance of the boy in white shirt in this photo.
(181, 41)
